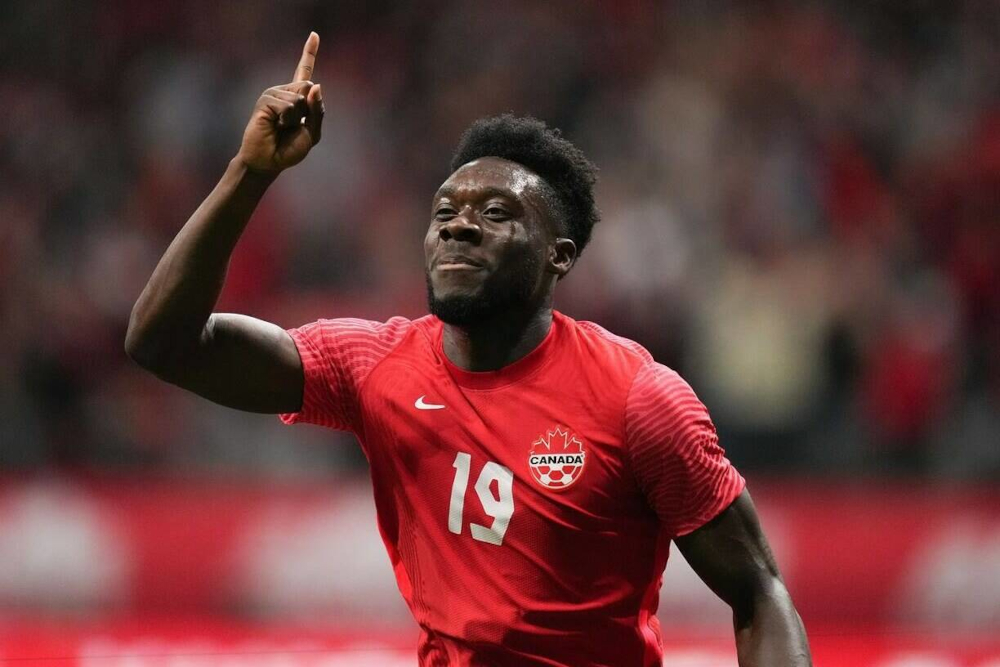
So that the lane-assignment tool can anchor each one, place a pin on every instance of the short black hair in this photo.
(534, 145)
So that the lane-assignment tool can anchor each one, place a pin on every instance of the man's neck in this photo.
(491, 345)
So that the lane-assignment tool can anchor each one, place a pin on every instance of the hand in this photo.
(286, 121)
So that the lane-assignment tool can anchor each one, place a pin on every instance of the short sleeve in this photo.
(674, 452)
(337, 356)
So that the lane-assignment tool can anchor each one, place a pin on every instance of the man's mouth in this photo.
(457, 264)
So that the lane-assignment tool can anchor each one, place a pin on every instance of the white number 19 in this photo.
(500, 508)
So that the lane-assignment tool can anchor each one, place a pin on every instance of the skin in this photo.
(489, 222)
(492, 212)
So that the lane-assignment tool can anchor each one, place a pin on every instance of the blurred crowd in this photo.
(801, 209)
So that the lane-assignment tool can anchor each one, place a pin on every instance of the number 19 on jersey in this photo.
(500, 507)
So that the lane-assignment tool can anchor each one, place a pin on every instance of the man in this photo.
(529, 471)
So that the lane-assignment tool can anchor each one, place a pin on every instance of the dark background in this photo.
(800, 206)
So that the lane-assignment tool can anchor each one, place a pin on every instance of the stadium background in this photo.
(801, 205)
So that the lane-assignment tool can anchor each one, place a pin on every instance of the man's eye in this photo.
(443, 213)
(496, 212)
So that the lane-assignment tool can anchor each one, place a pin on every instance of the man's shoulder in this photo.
(359, 344)
(609, 361)
(609, 355)
(391, 331)
(596, 341)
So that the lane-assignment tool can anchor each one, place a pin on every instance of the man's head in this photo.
(512, 218)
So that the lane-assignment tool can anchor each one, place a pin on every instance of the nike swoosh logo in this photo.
(420, 405)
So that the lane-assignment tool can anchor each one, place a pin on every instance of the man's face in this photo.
(487, 245)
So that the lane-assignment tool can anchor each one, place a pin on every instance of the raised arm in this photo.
(234, 360)
(731, 555)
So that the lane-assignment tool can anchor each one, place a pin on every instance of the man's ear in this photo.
(562, 256)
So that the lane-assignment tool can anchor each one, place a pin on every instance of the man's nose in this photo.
(462, 228)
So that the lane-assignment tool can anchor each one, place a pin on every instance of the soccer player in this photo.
(529, 470)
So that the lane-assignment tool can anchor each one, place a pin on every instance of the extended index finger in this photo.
(308, 60)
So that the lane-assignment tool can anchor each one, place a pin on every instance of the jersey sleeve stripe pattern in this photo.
(673, 449)
(337, 357)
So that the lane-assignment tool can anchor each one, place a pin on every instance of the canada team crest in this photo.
(556, 459)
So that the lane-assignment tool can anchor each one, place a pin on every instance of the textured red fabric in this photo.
(337, 356)
(674, 451)
(527, 511)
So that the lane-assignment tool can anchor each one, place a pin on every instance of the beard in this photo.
(498, 296)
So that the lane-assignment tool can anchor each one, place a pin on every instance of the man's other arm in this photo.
(732, 556)
(234, 360)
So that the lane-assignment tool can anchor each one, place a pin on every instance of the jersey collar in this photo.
(511, 373)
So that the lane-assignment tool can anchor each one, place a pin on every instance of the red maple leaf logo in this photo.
(556, 459)
(552, 443)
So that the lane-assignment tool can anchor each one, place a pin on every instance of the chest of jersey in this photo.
(524, 484)
(554, 438)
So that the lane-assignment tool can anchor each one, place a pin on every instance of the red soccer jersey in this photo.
(527, 511)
